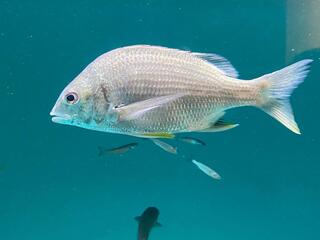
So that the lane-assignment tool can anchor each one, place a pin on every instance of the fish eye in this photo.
(72, 98)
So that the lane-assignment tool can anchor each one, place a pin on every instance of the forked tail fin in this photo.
(277, 88)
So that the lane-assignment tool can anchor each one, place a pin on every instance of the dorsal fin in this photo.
(219, 63)
(222, 64)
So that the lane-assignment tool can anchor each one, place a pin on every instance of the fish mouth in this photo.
(59, 118)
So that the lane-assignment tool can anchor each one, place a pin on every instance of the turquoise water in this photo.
(55, 186)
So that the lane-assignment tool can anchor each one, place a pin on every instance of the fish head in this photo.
(79, 104)
(151, 212)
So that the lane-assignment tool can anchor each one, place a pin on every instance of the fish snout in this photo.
(59, 117)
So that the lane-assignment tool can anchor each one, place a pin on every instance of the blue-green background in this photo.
(54, 186)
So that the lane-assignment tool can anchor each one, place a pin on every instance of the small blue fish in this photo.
(207, 170)
(165, 146)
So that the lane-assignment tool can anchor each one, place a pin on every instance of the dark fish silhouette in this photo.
(117, 150)
(147, 221)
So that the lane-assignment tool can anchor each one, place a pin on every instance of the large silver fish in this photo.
(150, 91)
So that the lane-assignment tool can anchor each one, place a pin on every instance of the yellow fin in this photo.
(158, 135)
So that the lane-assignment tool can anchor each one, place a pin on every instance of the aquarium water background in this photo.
(53, 184)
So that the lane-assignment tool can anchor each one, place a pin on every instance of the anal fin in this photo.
(219, 126)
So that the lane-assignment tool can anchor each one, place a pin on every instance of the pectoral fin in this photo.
(137, 109)
(138, 218)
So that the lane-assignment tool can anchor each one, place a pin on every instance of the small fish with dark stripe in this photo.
(117, 150)
(192, 140)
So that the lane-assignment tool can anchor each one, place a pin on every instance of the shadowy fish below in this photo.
(147, 221)
(117, 150)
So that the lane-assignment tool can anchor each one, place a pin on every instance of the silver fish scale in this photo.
(137, 73)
